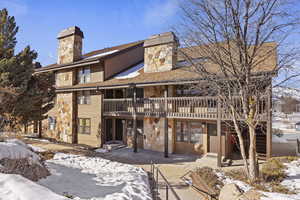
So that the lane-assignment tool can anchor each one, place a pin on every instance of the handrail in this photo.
(175, 107)
(168, 184)
(162, 98)
(155, 183)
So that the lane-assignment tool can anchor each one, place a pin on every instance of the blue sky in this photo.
(105, 23)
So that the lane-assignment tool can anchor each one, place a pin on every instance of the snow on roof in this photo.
(131, 72)
(102, 54)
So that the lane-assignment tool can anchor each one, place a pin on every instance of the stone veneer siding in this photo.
(154, 127)
(69, 49)
(160, 57)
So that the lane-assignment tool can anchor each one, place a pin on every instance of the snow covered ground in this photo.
(96, 178)
(83, 178)
(16, 187)
(15, 149)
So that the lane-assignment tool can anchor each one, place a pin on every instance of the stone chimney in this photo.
(160, 52)
(69, 45)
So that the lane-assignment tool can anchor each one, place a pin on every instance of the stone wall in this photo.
(160, 52)
(159, 58)
(69, 45)
(154, 127)
(64, 118)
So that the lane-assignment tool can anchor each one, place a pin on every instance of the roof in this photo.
(140, 78)
(93, 56)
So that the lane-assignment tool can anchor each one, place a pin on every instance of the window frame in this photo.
(84, 127)
(51, 123)
(84, 97)
(84, 75)
(185, 134)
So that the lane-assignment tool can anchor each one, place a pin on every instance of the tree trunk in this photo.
(252, 155)
(241, 140)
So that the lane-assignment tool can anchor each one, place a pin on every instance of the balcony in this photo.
(172, 107)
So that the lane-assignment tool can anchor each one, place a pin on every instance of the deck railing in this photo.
(171, 107)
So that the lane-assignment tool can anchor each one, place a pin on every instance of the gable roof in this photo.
(93, 57)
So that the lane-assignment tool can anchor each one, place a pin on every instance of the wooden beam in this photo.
(269, 124)
(166, 139)
(134, 121)
(219, 134)
(113, 129)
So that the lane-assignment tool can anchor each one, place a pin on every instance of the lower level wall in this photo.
(154, 131)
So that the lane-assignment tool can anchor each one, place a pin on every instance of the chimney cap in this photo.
(162, 38)
(74, 30)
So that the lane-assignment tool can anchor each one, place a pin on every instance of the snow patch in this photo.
(101, 150)
(226, 180)
(124, 181)
(130, 73)
(102, 54)
(16, 187)
(293, 180)
(36, 148)
(16, 149)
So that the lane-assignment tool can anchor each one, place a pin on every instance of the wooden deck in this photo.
(205, 108)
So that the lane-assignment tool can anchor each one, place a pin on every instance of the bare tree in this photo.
(236, 47)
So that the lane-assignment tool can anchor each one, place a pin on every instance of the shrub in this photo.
(209, 176)
(273, 170)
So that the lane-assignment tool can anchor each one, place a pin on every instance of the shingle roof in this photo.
(92, 56)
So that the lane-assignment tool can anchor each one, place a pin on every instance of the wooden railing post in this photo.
(134, 120)
(166, 123)
(269, 123)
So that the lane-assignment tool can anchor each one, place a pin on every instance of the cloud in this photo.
(14, 7)
(160, 12)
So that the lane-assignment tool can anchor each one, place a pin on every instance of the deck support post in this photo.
(269, 123)
(134, 120)
(219, 134)
(166, 131)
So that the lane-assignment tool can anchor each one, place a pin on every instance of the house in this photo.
(139, 87)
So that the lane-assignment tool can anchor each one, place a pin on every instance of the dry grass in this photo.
(211, 179)
(47, 155)
(272, 174)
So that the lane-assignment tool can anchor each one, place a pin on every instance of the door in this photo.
(108, 130)
(119, 129)
(213, 138)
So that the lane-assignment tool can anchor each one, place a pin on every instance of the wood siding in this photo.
(121, 62)
(93, 112)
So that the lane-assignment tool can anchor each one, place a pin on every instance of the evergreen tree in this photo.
(30, 94)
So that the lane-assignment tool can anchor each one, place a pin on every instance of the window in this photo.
(196, 130)
(66, 77)
(84, 75)
(84, 97)
(189, 131)
(84, 126)
(51, 123)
